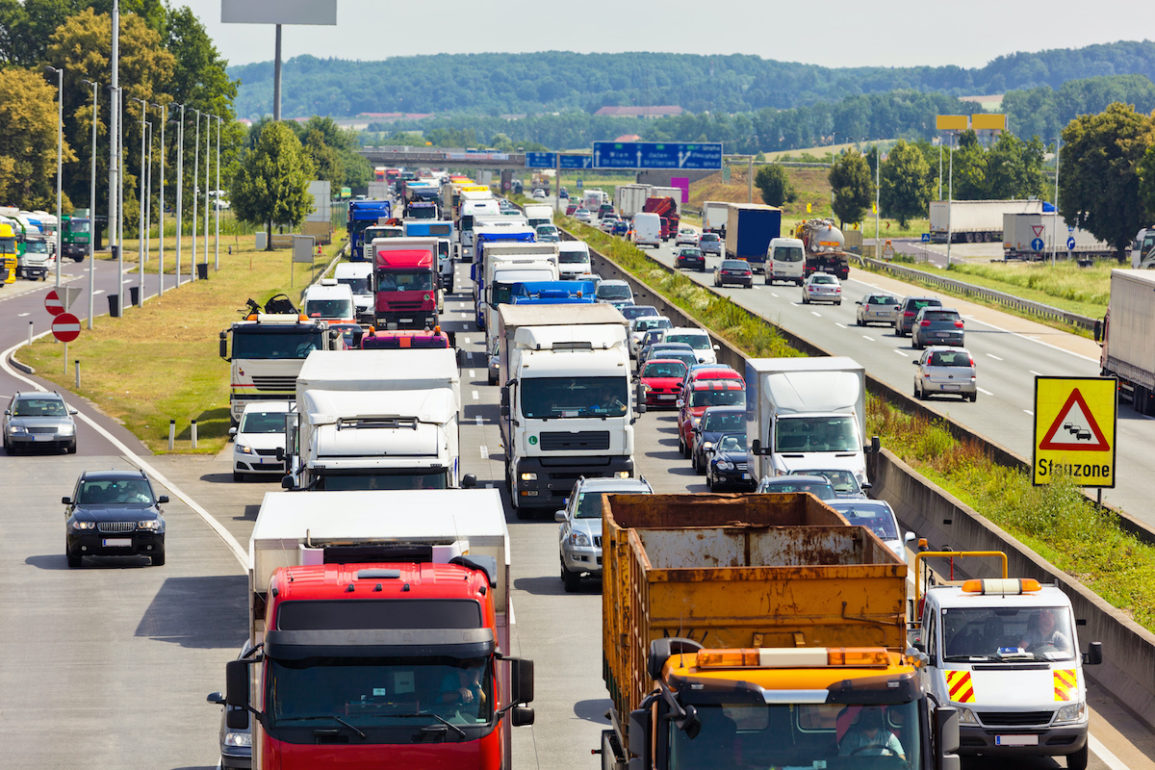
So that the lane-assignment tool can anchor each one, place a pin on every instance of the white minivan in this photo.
(647, 229)
(330, 301)
(785, 260)
(573, 260)
(358, 276)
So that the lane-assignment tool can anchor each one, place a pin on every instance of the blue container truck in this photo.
(364, 214)
(749, 229)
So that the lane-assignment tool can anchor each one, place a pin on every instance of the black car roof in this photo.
(112, 475)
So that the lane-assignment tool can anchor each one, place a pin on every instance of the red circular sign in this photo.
(66, 327)
(52, 303)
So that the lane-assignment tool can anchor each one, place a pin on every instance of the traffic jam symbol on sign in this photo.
(52, 303)
(66, 327)
(1075, 430)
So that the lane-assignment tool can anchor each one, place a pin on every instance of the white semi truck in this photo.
(506, 264)
(975, 221)
(806, 414)
(629, 199)
(1125, 334)
(567, 405)
(376, 419)
(1037, 236)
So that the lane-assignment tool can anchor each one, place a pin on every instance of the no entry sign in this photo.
(52, 303)
(66, 327)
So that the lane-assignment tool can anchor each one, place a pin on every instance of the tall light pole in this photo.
(208, 165)
(147, 207)
(217, 235)
(140, 232)
(179, 188)
(114, 210)
(877, 200)
(92, 210)
(160, 235)
(1055, 233)
(59, 163)
(950, 197)
(196, 181)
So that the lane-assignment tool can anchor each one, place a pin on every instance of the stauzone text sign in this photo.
(1075, 430)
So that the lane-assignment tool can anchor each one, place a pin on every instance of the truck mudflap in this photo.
(545, 483)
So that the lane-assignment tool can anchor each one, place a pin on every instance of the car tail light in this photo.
(972, 362)
(958, 324)
(925, 323)
(908, 314)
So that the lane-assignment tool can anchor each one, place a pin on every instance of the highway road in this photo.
(117, 658)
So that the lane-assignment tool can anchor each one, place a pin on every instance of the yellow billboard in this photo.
(996, 122)
(1075, 430)
(950, 122)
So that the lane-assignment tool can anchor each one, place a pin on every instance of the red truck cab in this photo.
(406, 280)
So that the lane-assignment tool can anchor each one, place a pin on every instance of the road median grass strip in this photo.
(1057, 520)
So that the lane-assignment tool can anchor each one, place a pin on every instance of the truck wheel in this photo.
(491, 378)
(571, 581)
(1078, 760)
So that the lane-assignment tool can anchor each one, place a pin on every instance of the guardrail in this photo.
(953, 286)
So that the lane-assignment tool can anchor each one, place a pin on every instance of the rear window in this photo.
(725, 421)
(940, 316)
(919, 304)
(709, 237)
(822, 279)
(735, 264)
(876, 300)
(950, 358)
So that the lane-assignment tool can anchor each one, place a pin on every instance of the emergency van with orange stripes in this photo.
(1005, 654)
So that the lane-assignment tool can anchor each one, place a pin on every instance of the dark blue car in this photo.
(728, 466)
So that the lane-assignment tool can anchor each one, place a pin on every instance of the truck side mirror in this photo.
(286, 482)
(1094, 654)
(946, 737)
(521, 715)
(162, 500)
(1098, 330)
(505, 397)
(237, 685)
(224, 346)
(521, 680)
(639, 737)
(875, 445)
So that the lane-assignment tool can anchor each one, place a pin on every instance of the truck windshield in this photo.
(545, 398)
(410, 478)
(421, 212)
(373, 694)
(79, 226)
(404, 280)
(263, 344)
(830, 735)
(36, 247)
(356, 285)
(833, 433)
(1007, 633)
(7, 245)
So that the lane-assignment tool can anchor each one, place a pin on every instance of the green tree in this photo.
(853, 187)
(271, 183)
(905, 186)
(1147, 184)
(28, 139)
(324, 158)
(1099, 173)
(774, 186)
(1015, 168)
(969, 172)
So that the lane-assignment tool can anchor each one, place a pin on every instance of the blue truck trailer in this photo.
(749, 229)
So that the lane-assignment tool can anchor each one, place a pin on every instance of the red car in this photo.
(710, 372)
(702, 394)
(662, 381)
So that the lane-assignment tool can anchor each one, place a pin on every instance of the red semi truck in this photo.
(405, 270)
(667, 209)
(379, 633)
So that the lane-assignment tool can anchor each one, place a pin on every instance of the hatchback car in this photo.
(936, 326)
(844, 482)
(687, 236)
(661, 380)
(710, 243)
(878, 517)
(615, 292)
(819, 486)
(256, 439)
(621, 227)
(36, 420)
(734, 271)
(698, 339)
(908, 309)
(876, 307)
(716, 421)
(656, 349)
(583, 215)
(822, 287)
(690, 257)
(113, 513)
(632, 312)
(694, 402)
(945, 370)
(580, 533)
(729, 464)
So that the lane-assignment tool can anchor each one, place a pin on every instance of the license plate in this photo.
(949, 386)
(745, 477)
(117, 542)
(43, 437)
(666, 396)
(1016, 740)
(941, 334)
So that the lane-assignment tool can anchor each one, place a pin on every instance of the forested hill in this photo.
(494, 83)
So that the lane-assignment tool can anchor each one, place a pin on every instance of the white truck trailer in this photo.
(376, 419)
(630, 198)
(975, 221)
(806, 414)
(715, 215)
(1037, 236)
(567, 406)
(1126, 333)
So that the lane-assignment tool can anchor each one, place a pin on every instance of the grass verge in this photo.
(160, 362)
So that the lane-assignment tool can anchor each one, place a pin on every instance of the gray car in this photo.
(710, 243)
(945, 370)
(908, 309)
(580, 534)
(35, 420)
(819, 486)
(876, 307)
(937, 326)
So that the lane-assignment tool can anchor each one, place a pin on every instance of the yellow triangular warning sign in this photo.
(1075, 427)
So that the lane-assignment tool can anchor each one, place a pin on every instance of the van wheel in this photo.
(1078, 760)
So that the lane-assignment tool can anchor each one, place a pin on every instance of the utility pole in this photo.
(92, 209)
(114, 211)
(217, 235)
(160, 265)
(192, 273)
(140, 233)
(1055, 234)
(179, 189)
(208, 164)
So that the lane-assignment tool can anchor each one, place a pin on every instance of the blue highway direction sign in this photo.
(658, 155)
(577, 161)
(540, 159)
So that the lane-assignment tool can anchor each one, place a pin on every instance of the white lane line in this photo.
(815, 313)
(840, 326)
(1103, 753)
(25, 315)
(903, 353)
(985, 392)
(472, 372)
(484, 452)
(239, 553)
(98, 291)
(868, 339)
(992, 355)
(773, 294)
(1037, 374)
(476, 396)
(467, 342)
(1029, 412)
(477, 419)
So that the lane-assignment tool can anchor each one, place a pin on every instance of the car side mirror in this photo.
(66, 500)
(716, 347)
(286, 482)
(559, 516)
(232, 433)
(162, 500)
(216, 697)
(468, 481)
(73, 411)
(915, 361)
(909, 537)
(865, 485)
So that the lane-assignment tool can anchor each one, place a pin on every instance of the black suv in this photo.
(113, 513)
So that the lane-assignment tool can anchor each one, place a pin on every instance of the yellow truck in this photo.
(7, 254)
(758, 631)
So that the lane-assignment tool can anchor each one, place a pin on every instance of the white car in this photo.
(822, 287)
(256, 439)
(879, 517)
(687, 237)
(583, 215)
(698, 339)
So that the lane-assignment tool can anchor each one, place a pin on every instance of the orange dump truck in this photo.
(757, 631)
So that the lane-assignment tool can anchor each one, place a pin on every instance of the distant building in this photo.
(660, 111)
(629, 138)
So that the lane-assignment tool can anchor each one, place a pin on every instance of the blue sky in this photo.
(835, 33)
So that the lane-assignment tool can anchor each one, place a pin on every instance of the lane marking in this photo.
(1103, 753)
(476, 396)
(773, 294)
(992, 355)
(467, 342)
(840, 325)
(1037, 374)
(1029, 412)
(868, 339)
(902, 353)
(815, 313)
(25, 315)
(484, 452)
(478, 420)
(984, 391)
(472, 373)
(98, 291)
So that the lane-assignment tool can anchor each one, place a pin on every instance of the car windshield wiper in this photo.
(438, 717)
(334, 717)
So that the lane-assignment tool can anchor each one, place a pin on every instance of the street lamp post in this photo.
(179, 188)
(160, 234)
(147, 211)
(217, 235)
(59, 72)
(196, 181)
(140, 232)
(208, 166)
(92, 210)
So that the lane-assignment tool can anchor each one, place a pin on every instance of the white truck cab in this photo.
(1005, 653)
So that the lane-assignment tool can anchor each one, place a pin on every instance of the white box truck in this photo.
(1036, 236)
(630, 198)
(376, 419)
(509, 262)
(975, 221)
(538, 214)
(806, 414)
(567, 405)
(715, 214)
(1126, 334)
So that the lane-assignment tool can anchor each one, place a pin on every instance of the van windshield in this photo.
(1007, 633)
(356, 285)
(573, 258)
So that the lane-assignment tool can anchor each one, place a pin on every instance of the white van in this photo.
(538, 214)
(573, 259)
(785, 260)
(358, 276)
(698, 339)
(1005, 654)
(330, 301)
(647, 229)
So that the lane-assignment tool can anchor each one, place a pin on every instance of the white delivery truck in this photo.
(1036, 236)
(567, 406)
(538, 214)
(358, 276)
(1005, 654)
(647, 229)
(806, 414)
(715, 215)
(376, 419)
(508, 264)
(629, 199)
(1126, 333)
(975, 221)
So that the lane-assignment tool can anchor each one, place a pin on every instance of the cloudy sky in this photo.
(836, 33)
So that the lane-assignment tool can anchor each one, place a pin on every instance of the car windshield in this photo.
(1006, 632)
(732, 444)
(842, 481)
(262, 422)
(665, 369)
(356, 285)
(949, 358)
(589, 505)
(822, 491)
(114, 491)
(573, 258)
(711, 397)
(876, 516)
(696, 341)
(545, 398)
(613, 291)
(724, 421)
(39, 407)
(272, 344)
(404, 280)
(328, 308)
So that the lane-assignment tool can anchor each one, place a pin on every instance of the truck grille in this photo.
(115, 526)
(597, 541)
(582, 440)
(1016, 718)
(275, 382)
(400, 307)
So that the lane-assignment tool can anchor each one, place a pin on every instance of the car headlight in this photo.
(83, 524)
(694, 421)
(646, 388)
(66, 430)
(1074, 712)
(238, 739)
(967, 717)
(14, 428)
(529, 477)
(723, 465)
(707, 445)
(152, 524)
(579, 538)
(243, 449)
(622, 475)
